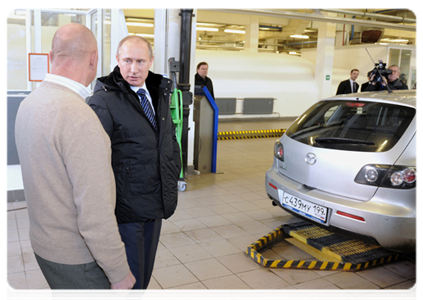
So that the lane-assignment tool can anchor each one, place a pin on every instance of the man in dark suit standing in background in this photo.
(201, 78)
(349, 86)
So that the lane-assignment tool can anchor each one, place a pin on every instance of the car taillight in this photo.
(407, 176)
(278, 151)
(403, 177)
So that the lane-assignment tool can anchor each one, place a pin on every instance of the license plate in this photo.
(305, 208)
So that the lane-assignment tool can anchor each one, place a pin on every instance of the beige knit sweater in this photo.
(68, 181)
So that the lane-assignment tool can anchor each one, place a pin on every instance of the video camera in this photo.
(379, 71)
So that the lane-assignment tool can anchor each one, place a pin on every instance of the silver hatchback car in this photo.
(348, 164)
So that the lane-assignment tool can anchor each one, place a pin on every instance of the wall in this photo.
(289, 79)
(355, 57)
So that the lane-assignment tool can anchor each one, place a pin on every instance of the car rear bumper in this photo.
(387, 221)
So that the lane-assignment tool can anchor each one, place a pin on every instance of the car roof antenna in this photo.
(387, 85)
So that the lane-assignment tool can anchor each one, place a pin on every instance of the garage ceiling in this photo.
(285, 30)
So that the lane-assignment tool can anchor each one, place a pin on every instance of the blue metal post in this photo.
(215, 127)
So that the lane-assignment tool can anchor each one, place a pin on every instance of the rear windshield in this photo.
(354, 126)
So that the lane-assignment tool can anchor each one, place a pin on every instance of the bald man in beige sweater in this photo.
(68, 181)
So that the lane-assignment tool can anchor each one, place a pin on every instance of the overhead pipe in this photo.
(301, 43)
(184, 86)
(318, 18)
(352, 30)
(185, 45)
(343, 34)
(373, 15)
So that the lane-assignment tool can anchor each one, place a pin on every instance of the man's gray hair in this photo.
(395, 66)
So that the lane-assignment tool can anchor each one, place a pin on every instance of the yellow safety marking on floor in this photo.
(301, 263)
(332, 264)
(288, 264)
(273, 264)
(324, 265)
(249, 134)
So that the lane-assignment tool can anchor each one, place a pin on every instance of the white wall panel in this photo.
(288, 79)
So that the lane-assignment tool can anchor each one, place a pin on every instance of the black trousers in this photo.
(83, 276)
(141, 240)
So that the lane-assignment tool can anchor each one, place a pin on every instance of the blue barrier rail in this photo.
(215, 127)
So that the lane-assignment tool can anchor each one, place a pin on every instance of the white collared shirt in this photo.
(77, 87)
(144, 87)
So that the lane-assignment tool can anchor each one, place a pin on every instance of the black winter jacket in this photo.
(397, 84)
(207, 82)
(146, 164)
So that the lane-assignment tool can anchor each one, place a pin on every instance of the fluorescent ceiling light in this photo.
(235, 31)
(139, 24)
(292, 52)
(394, 40)
(146, 35)
(299, 36)
(207, 29)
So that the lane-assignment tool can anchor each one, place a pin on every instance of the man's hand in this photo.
(125, 284)
(385, 82)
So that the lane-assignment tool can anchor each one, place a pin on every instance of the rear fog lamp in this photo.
(344, 214)
(273, 186)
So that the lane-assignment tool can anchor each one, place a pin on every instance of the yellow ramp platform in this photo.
(333, 251)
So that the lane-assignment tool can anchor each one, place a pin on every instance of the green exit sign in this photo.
(327, 77)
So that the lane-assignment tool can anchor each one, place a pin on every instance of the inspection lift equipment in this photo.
(176, 110)
(332, 251)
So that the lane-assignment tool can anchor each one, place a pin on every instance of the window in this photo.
(16, 52)
(402, 58)
(353, 126)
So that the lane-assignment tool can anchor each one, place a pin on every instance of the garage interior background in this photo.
(295, 57)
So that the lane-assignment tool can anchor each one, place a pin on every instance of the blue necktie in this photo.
(146, 106)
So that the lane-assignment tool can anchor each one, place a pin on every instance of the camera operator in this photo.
(393, 81)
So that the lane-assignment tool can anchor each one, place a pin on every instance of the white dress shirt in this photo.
(77, 87)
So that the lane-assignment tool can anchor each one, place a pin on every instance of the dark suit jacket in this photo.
(364, 86)
(345, 87)
(204, 82)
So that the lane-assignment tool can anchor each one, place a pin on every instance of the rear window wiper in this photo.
(335, 140)
(313, 128)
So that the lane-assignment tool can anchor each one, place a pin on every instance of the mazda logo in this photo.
(310, 158)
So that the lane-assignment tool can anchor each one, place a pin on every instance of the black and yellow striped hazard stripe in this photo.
(358, 256)
(249, 134)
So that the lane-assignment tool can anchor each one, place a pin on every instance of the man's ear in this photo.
(151, 62)
(94, 59)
